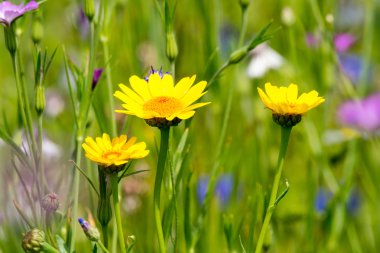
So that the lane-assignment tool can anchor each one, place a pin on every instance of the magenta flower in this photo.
(95, 78)
(343, 42)
(362, 114)
(10, 12)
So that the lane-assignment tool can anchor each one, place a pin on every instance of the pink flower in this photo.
(10, 12)
(343, 41)
(361, 114)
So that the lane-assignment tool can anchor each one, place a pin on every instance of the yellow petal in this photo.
(141, 87)
(186, 115)
(292, 93)
(131, 94)
(194, 93)
(183, 86)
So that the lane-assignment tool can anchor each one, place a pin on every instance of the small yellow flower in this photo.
(284, 101)
(113, 154)
(158, 101)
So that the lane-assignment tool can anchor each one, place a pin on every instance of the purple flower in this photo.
(84, 224)
(155, 71)
(361, 114)
(10, 12)
(97, 74)
(223, 189)
(343, 42)
(83, 24)
(312, 40)
(351, 65)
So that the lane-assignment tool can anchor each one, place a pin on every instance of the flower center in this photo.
(164, 106)
(111, 155)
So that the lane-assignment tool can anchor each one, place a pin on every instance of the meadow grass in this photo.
(207, 184)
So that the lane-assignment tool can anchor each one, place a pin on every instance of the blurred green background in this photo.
(332, 204)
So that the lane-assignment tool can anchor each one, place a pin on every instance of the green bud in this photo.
(104, 212)
(91, 232)
(89, 9)
(287, 120)
(33, 241)
(244, 3)
(131, 240)
(171, 46)
(37, 30)
(238, 55)
(39, 99)
(10, 39)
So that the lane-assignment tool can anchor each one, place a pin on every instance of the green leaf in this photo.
(61, 244)
(88, 179)
(261, 37)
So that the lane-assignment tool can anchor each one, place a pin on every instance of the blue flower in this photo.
(223, 188)
(321, 200)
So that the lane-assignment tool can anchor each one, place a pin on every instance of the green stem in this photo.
(47, 248)
(157, 185)
(101, 245)
(75, 191)
(105, 235)
(81, 126)
(109, 87)
(40, 155)
(243, 28)
(19, 72)
(285, 133)
(116, 208)
(21, 94)
(368, 30)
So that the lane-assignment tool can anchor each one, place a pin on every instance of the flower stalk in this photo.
(285, 134)
(164, 145)
(116, 207)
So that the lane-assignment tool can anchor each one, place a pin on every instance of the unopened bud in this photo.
(91, 232)
(37, 30)
(33, 241)
(171, 46)
(50, 202)
(287, 16)
(104, 211)
(131, 240)
(95, 78)
(39, 99)
(10, 39)
(89, 9)
(237, 55)
(244, 3)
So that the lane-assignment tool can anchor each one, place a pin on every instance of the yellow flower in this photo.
(113, 154)
(285, 104)
(157, 100)
(285, 100)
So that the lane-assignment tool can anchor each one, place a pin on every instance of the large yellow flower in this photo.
(158, 98)
(113, 153)
(285, 100)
